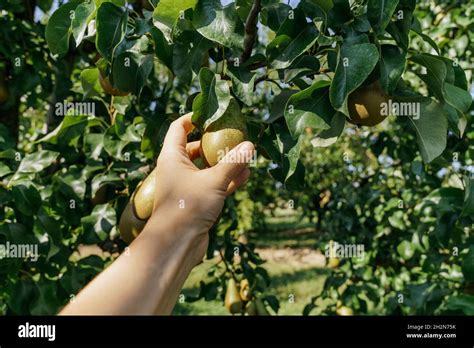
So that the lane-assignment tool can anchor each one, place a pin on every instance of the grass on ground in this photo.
(289, 281)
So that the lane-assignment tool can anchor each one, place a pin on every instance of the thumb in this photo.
(234, 162)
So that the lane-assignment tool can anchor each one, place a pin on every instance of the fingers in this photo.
(238, 181)
(229, 168)
(193, 149)
(178, 132)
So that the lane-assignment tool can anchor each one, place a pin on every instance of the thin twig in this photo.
(251, 30)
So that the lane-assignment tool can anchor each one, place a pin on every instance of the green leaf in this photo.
(285, 152)
(58, 29)
(392, 66)
(445, 199)
(90, 82)
(167, 12)
(97, 226)
(444, 227)
(59, 132)
(111, 28)
(431, 129)
(131, 70)
(188, 55)
(400, 29)
(274, 15)
(72, 183)
(294, 38)
(7, 141)
(110, 178)
(27, 199)
(47, 302)
(243, 8)
(354, 66)
(468, 265)
(37, 161)
(302, 66)
(309, 108)
(93, 145)
(462, 302)
(131, 133)
(436, 72)
(440, 77)
(82, 16)
(339, 14)
(4, 169)
(277, 108)
(293, 156)
(219, 23)
(77, 275)
(113, 145)
(380, 12)
(468, 207)
(50, 224)
(243, 83)
(329, 136)
(426, 38)
(163, 49)
(396, 219)
(457, 97)
(273, 302)
(154, 136)
(213, 100)
(406, 250)
(25, 291)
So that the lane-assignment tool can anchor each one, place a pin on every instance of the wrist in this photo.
(170, 228)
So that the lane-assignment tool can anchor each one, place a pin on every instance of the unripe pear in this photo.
(224, 134)
(245, 292)
(344, 311)
(333, 262)
(232, 301)
(129, 226)
(365, 105)
(144, 197)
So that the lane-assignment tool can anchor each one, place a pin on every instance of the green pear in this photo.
(144, 197)
(245, 291)
(344, 311)
(232, 301)
(224, 134)
(365, 105)
(129, 226)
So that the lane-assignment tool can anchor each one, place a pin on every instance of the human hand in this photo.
(191, 199)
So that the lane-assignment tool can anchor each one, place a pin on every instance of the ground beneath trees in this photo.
(298, 257)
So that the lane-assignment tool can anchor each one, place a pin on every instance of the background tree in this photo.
(402, 189)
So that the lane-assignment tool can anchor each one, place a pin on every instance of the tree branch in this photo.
(251, 29)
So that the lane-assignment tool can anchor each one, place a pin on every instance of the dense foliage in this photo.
(404, 190)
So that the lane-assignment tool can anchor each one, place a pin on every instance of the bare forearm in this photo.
(146, 279)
